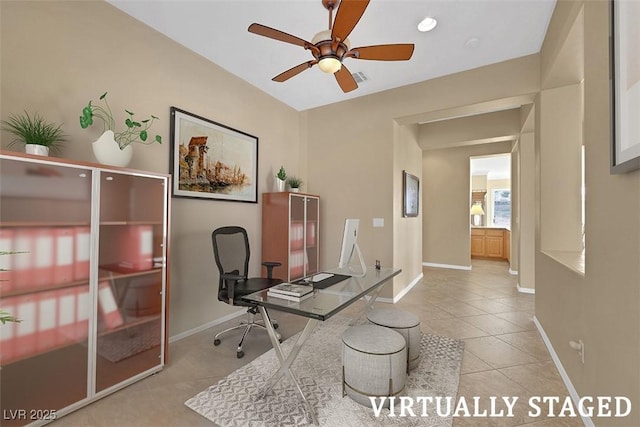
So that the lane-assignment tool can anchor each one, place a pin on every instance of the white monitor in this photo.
(349, 247)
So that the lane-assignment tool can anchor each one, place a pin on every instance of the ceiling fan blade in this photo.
(282, 77)
(345, 79)
(272, 33)
(383, 52)
(349, 13)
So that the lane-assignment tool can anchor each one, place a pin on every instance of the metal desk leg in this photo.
(285, 363)
(367, 307)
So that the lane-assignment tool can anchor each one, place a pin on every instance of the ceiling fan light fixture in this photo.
(330, 64)
(427, 24)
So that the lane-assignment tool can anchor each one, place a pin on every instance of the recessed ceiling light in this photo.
(427, 24)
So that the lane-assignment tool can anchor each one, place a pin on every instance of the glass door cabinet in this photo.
(83, 268)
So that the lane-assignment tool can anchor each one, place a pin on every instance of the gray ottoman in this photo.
(407, 324)
(374, 363)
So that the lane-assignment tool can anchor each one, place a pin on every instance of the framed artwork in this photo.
(410, 194)
(212, 161)
(625, 86)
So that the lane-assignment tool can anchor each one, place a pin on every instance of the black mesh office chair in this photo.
(231, 252)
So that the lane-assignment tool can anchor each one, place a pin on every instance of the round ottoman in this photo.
(407, 324)
(374, 363)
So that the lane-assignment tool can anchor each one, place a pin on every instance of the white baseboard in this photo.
(525, 290)
(563, 374)
(513, 272)
(208, 325)
(403, 292)
(450, 266)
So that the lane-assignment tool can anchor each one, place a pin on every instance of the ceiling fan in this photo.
(330, 47)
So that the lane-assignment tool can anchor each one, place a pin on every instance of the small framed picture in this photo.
(212, 161)
(411, 194)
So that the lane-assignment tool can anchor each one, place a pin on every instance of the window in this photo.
(501, 203)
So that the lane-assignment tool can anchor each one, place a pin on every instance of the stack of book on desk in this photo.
(291, 291)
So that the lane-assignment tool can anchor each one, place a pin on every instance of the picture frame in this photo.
(212, 161)
(410, 195)
(625, 86)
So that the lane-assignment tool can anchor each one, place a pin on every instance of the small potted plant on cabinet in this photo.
(281, 179)
(38, 136)
(114, 148)
(294, 184)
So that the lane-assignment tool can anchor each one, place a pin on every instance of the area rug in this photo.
(234, 401)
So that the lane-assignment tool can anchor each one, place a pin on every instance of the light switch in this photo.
(378, 222)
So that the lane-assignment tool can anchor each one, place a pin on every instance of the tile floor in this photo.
(504, 354)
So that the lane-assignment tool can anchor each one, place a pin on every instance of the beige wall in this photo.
(407, 235)
(602, 307)
(58, 55)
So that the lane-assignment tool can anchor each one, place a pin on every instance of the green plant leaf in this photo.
(103, 96)
(137, 124)
(129, 123)
(129, 112)
(143, 135)
(155, 117)
(159, 139)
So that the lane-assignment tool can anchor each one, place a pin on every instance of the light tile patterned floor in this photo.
(504, 354)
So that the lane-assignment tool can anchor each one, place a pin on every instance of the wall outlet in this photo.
(378, 222)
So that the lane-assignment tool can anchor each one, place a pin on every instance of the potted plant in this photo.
(281, 178)
(38, 136)
(105, 147)
(294, 184)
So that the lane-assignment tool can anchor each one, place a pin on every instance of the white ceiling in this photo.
(217, 30)
(494, 167)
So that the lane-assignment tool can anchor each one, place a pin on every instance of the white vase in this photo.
(280, 184)
(295, 189)
(108, 152)
(40, 150)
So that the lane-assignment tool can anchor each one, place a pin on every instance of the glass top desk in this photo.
(321, 306)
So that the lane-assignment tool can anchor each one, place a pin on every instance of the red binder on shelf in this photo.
(44, 250)
(296, 237)
(47, 335)
(82, 250)
(23, 242)
(64, 255)
(111, 316)
(135, 245)
(27, 330)
(311, 234)
(6, 261)
(83, 310)
(7, 332)
(66, 315)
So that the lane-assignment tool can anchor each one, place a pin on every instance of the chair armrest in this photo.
(231, 279)
(270, 265)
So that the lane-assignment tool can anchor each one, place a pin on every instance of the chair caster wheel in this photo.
(240, 354)
(275, 325)
(216, 342)
(280, 340)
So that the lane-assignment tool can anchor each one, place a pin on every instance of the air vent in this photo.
(360, 77)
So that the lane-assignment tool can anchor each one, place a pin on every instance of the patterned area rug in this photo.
(233, 401)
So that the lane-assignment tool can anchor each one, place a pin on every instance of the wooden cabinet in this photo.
(488, 242)
(477, 242)
(87, 277)
(290, 233)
